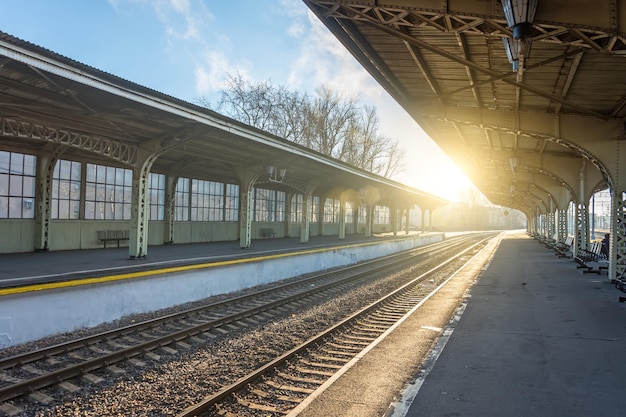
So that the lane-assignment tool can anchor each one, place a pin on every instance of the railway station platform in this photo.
(48, 293)
(19, 269)
(537, 338)
(517, 332)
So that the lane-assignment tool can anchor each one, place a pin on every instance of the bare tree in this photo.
(329, 123)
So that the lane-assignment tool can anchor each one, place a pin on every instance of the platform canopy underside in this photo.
(446, 64)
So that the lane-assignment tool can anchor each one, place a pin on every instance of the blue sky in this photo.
(187, 48)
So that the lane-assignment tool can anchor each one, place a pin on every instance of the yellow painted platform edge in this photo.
(161, 271)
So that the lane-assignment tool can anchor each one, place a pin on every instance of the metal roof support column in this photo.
(407, 224)
(247, 180)
(582, 214)
(423, 210)
(561, 233)
(369, 213)
(43, 197)
(305, 229)
(140, 206)
(430, 219)
(140, 203)
(342, 217)
(320, 216)
(537, 225)
(551, 222)
(170, 208)
(395, 220)
(617, 249)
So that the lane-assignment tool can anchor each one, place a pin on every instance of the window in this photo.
(264, 205)
(17, 185)
(381, 215)
(296, 208)
(156, 186)
(280, 206)
(108, 193)
(362, 214)
(207, 200)
(231, 203)
(331, 210)
(181, 203)
(315, 204)
(349, 217)
(201, 200)
(269, 205)
(66, 190)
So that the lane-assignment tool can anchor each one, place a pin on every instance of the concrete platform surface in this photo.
(18, 269)
(537, 338)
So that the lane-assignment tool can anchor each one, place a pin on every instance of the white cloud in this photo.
(296, 30)
(323, 60)
(211, 74)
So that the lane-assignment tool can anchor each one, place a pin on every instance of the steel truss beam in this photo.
(398, 21)
(115, 150)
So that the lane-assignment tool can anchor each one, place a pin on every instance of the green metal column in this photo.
(43, 197)
(305, 229)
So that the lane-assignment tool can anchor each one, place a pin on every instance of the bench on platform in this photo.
(267, 233)
(113, 236)
(620, 284)
(564, 249)
(592, 259)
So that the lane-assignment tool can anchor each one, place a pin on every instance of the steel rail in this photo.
(42, 381)
(205, 404)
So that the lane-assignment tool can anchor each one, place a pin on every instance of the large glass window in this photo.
(201, 200)
(381, 215)
(349, 218)
(331, 210)
(207, 200)
(156, 185)
(66, 190)
(269, 205)
(315, 204)
(108, 193)
(362, 214)
(181, 203)
(17, 185)
(231, 203)
(296, 208)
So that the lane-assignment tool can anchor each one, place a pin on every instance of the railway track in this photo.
(279, 385)
(28, 373)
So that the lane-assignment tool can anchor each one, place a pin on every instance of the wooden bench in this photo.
(113, 236)
(267, 233)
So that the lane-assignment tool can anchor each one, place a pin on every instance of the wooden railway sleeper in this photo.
(343, 361)
(273, 396)
(351, 343)
(300, 379)
(291, 388)
(321, 364)
(345, 347)
(337, 353)
(310, 371)
(353, 337)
